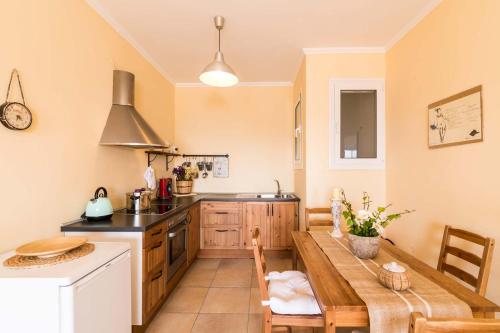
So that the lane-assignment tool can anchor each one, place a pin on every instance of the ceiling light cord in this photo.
(219, 38)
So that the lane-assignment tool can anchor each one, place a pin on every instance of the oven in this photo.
(177, 238)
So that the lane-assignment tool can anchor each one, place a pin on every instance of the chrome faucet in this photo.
(279, 188)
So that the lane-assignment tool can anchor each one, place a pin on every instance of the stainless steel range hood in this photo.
(125, 126)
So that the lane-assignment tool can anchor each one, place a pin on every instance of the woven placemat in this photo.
(30, 262)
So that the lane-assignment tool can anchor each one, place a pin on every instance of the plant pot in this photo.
(184, 186)
(364, 247)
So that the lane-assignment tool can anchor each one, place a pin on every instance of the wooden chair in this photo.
(318, 222)
(484, 262)
(270, 318)
(419, 324)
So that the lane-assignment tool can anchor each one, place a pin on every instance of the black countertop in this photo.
(140, 223)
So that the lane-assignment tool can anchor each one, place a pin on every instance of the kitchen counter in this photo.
(141, 223)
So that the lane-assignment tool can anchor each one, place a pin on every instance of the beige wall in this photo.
(320, 179)
(254, 125)
(66, 54)
(299, 174)
(454, 48)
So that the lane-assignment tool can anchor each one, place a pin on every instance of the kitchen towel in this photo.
(149, 176)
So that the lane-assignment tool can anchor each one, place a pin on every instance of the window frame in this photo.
(298, 164)
(336, 86)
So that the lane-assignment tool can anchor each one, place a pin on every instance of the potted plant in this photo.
(184, 179)
(365, 227)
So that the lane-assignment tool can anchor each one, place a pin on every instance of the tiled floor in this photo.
(217, 296)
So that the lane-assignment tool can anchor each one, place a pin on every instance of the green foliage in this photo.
(368, 223)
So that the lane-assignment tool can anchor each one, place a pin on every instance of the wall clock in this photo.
(15, 115)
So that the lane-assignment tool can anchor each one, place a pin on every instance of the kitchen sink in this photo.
(265, 196)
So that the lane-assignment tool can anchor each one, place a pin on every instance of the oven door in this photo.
(176, 248)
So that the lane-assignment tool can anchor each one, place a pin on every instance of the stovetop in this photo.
(157, 208)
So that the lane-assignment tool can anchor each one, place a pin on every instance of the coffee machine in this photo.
(165, 189)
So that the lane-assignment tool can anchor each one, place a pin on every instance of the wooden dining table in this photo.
(340, 304)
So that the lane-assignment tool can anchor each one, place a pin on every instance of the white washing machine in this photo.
(91, 294)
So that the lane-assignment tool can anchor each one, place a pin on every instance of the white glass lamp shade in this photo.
(218, 73)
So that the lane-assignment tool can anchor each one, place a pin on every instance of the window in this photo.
(298, 135)
(357, 137)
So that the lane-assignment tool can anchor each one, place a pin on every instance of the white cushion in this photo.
(291, 293)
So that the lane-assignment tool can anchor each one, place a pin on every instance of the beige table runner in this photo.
(389, 310)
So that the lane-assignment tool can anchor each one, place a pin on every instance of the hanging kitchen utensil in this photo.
(205, 173)
(15, 115)
(201, 166)
(209, 165)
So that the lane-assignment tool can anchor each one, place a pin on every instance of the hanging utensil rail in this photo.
(204, 155)
(153, 154)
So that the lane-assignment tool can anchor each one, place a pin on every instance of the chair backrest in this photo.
(419, 324)
(484, 262)
(316, 222)
(260, 264)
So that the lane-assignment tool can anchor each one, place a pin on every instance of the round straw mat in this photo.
(28, 262)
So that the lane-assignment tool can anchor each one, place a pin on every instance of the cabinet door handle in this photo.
(221, 213)
(272, 209)
(221, 230)
(157, 233)
(158, 276)
(157, 245)
(267, 214)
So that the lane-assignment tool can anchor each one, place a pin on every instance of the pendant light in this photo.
(218, 73)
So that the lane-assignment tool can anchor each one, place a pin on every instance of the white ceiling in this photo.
(263, 40)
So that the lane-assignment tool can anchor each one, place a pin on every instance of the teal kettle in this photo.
(99, 208)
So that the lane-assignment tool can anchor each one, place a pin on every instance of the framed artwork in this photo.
(456, 120)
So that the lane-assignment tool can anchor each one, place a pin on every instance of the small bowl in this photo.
(397, 281)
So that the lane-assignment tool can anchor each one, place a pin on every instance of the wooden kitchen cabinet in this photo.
(154, 234)
(276, 221)
(194, 231)
(222, 226)
(154, 292)
(154, 256)
(222, 238)
(257, 215)
(215, 214)
(283, 220)
(229, 225)
(154, 268)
